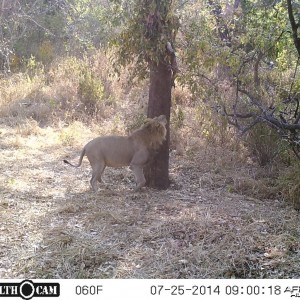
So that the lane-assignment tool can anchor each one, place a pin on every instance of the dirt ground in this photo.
(217, 220)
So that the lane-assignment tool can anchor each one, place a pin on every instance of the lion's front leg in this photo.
(136, 165)
(139, 176)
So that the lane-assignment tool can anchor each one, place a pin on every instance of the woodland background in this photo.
(71, 70)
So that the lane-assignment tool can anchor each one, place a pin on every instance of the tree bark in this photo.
(157, 171)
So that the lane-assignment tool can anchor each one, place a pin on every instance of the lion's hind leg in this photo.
(96, 175)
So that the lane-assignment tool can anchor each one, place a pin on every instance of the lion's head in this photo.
(152, 133)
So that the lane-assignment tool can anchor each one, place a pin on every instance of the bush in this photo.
(90, 92)
(264, 143)
(289, 184)
(46, 52)
(178, 117)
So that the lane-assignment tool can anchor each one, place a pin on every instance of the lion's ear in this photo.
(147, 124)
(155, 127)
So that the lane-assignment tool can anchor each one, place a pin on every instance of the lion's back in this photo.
(115, 151)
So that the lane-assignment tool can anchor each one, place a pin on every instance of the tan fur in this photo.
(117, 151)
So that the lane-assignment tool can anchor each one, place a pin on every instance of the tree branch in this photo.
(37, 24)
(174, 65)
(294, 26)
(253, 99)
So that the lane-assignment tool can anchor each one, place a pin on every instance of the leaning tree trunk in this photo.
(157, 171)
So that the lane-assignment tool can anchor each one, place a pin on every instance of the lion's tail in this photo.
(80, 160)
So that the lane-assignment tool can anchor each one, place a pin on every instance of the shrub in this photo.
(178, 117)
(90, 92)
(264, 143)
(289, 184)
(45, 52)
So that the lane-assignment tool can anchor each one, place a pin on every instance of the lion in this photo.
(134, 151)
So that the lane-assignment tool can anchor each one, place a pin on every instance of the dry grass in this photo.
(204, 226)
(55, 97)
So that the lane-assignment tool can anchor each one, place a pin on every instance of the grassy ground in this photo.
(218, 219)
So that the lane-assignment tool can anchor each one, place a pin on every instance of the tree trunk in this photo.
(157, 171)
